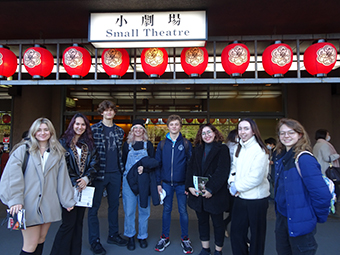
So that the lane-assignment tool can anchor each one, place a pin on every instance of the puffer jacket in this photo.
(307, 197)
(91, 164)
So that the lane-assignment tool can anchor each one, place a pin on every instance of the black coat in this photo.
(217, 169)
(91, 165)
(144, 184)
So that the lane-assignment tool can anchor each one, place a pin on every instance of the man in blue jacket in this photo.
(173, 154)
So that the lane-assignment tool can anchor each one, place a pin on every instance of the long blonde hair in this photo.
(131, 136)
(303, 144)
(33, 143)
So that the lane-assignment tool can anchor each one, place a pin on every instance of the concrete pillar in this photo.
(34, 102)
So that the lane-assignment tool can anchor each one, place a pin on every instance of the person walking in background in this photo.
(211, 161)
(249, 184)
(41, 187)
(324, 151)
(271, 144)
(82, 164)
(137, 150)
(108, 140)
(301, 199)
(173, 153)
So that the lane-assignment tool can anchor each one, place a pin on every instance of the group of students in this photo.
(237, 184)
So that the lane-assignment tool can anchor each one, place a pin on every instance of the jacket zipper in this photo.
(172, 163)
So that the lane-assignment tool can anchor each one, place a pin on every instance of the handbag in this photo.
(333, 173)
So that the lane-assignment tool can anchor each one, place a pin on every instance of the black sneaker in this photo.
(97, 248)
(162, 243)
(118, 240)
(186, 245)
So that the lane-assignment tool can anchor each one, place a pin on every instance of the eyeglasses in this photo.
(289, 133)
(207, 133)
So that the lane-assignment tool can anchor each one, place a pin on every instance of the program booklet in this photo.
(84, 198)
(200, 182)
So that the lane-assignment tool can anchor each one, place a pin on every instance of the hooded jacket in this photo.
(307, 197)
(172, 159)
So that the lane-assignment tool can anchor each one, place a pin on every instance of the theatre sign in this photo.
(141, 29)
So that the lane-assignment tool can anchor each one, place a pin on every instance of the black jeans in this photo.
(288, 245)
(249, 214)
(204, 227)
(68, 240)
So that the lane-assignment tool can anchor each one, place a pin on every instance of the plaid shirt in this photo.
(99, 141)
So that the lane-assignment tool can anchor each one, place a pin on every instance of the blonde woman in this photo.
(42, 188)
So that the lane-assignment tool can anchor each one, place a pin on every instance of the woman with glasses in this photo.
(249, 184)
(209, 169)
(300, 200)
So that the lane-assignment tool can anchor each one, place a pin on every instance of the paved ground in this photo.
(328, 235)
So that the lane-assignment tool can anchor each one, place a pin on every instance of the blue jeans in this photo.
(130, 201)
(112, 183)
(288, 245)
(182, 208)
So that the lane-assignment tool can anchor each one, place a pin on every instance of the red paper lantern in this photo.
(115, 62)
(277, 59)
(189, 120)
(77, 61)
(194, 60)
(234, 121)
(222, 121)
(8, 62)
(38, 62)
(235, 59)
(154, 121)
(165, 120)
(211, 121)
(200, 120)
(154, 61)
(320, 58)
(6, 118)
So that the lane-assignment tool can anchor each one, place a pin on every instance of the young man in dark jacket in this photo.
(173, 154)
(108, 139)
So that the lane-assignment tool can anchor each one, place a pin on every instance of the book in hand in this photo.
(16, 221)
(84, 198)
(200, 182)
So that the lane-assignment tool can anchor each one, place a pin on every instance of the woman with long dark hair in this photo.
(41, 187)
(81, 158)
(210, 161)
(249, 184)
(301, 199)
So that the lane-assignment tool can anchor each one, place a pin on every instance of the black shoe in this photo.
(97, 248)
(143, 243)
(118, 240)
(131, 244)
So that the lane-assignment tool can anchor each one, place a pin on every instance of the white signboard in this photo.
(148, 28)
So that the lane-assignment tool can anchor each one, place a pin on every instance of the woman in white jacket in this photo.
(249, 184)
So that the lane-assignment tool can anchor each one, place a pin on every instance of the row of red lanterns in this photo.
(222, 121)
(319, 59)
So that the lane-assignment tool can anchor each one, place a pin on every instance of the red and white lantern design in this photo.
(235, 59)
(189, 120)
(222, 121)
(38, 62)
(77, 61)
(277, 59)
(154, 61)
(115, 62)
(234, 121)
(8, 62)
(211, 121)
(154, 120)
(194, 60)
(201, 120)
(165, 120)
(320, 58)
(6, 118)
